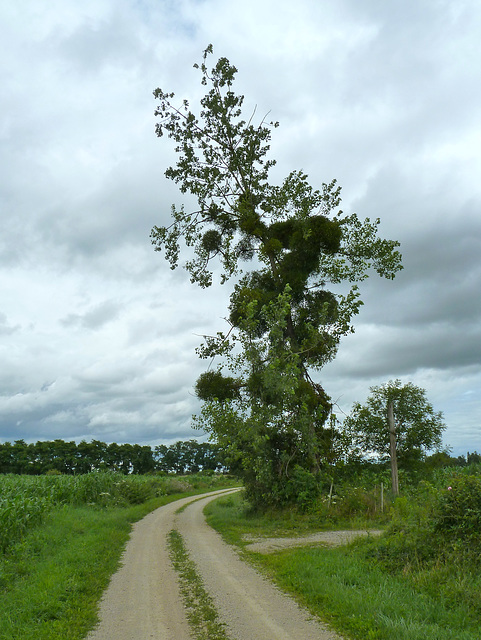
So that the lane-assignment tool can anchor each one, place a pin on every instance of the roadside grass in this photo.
(201, 612)
(51, 582)
(363, 601)
(347, 588)
(52, 576)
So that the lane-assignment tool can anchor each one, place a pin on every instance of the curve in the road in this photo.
(143, 601)
(251, 606)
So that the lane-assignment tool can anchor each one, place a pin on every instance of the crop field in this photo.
(26, 500)
(61, 538)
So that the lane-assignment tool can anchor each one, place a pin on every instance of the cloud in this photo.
(5, 327)
(98, 336)
(95, 318)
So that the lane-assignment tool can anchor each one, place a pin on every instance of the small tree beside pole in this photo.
(396, 423)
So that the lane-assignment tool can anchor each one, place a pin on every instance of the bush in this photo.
(435, 523)
(356, 501)
(410, 539)
(175, 485)
(302, 489)
(458, 512)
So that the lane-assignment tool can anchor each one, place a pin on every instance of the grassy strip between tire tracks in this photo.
(342, 587)
(201, 613)
(52, 581)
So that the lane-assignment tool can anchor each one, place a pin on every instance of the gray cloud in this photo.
(101, 314)
(5, 327)
(97, 335)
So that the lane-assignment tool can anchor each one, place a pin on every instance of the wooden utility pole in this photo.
(392, 443)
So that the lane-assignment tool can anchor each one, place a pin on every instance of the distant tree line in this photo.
(72, 458)
(182, 457)
(443, 459)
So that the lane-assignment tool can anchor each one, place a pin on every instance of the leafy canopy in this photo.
(418, 427)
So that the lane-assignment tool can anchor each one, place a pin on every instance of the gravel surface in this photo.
(329, 538)
(251, 606)
(143, 600)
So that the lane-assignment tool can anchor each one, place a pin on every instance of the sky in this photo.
(97, 334)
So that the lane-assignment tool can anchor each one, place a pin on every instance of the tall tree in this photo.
(285, 321)
(397, 423)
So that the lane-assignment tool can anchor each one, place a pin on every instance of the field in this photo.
(60, 540)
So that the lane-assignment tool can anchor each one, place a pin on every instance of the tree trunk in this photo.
(392, 442)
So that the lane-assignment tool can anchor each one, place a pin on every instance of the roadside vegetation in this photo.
(420, 580)
(61, 538)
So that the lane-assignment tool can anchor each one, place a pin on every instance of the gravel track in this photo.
(251, 606)
(329, 538)
(143, 600)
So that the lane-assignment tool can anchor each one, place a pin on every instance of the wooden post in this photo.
(382, 497)
(392, 443)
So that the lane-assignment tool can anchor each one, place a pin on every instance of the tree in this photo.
(188, 457)
(283, 323)
(413, 429)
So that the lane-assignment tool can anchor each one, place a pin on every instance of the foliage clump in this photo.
(457, 516)
(435, 524)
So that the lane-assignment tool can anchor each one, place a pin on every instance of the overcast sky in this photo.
(97, 335)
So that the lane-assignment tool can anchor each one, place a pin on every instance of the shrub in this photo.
(351, 500)
(302, 489)
(458, 512)
(175, 485)
(435, 523)
(357, 502)
(409, 539)
(138, 490)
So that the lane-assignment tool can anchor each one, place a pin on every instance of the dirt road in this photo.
(143, 600)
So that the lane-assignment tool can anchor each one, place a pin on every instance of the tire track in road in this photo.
(251, 607)
(143, 601)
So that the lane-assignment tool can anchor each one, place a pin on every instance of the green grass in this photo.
(347, 588)
(26, 500)
(340, 586)
(50, 584)
(54, 571)
(234, 518)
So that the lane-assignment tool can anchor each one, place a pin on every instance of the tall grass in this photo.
(362, 600)
(26, 500)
